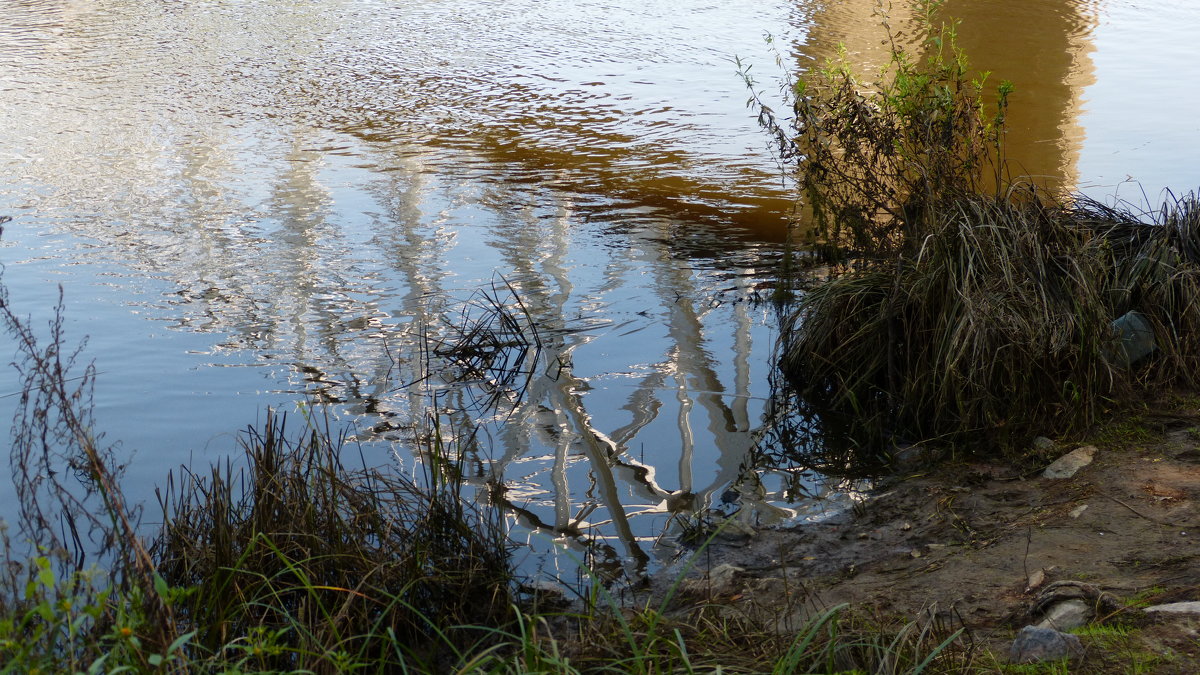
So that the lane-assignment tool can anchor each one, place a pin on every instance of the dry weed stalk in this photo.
(71, 507)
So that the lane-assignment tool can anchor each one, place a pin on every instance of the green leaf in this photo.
(181, 641)
(98, 665)
(161, 587)
(45, 574)
(46, 612)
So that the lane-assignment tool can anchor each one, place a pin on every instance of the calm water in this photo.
(275, 202)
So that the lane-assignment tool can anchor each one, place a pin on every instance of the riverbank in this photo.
(982, 546)
(936, 571)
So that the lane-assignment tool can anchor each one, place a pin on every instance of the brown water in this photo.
(261, 203)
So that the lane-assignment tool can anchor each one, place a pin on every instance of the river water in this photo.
(304, 203)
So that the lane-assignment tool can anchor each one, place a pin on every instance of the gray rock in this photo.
(720, 580)
(1176, 608)
(1067, 615)
(1042, 443)
(1035, 580)
(735, 533)
(1134, 339)
(723, 576)
(1035, 644)
(1059, 592)
(1068, 464)
(913, 457)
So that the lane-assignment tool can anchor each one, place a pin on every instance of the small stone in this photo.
(906, 527)
(912, 457)
(735, 533)
(1176, 608)
(545, 590)
(1042, 443)
(1067, 615)
(1068, 464)
(720, 580)
(681, 500)
(1035, 644)
(1035, 580)
(722, 576)
(1078, 510)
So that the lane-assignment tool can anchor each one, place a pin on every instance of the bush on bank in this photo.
(956, 305)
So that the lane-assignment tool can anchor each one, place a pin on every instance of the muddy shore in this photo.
(973, 543)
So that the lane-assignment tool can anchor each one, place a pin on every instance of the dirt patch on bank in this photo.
(973, 544)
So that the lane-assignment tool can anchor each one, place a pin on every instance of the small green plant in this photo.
(1145, 598)
(1120, 643)
(877, 161)
(80, 623)
(1128, 431)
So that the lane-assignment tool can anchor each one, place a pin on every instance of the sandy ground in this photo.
(974, 543)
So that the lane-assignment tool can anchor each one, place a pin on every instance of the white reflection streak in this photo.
(687, 444)
(561, 393)
(729, 428)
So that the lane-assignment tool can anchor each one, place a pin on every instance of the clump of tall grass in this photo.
(958, 306)
(296, 561)
(1155, 270)
(996, 326)
(338, 564)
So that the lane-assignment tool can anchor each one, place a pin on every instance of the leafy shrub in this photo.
(958, 307)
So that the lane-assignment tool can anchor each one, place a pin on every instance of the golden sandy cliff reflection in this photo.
(1042, 47)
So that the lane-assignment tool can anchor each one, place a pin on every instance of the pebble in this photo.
(1035, 644)
(735, 533)
(1042, 443)
(1068, 464)
(721, 580)
(1067, 615)
(1036, 579)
